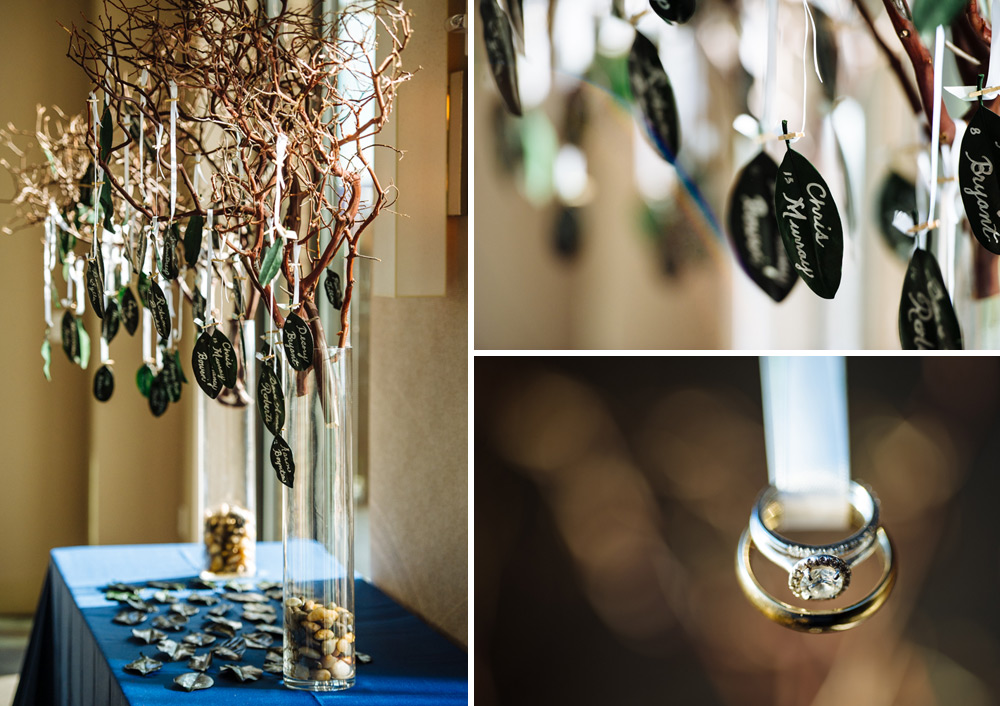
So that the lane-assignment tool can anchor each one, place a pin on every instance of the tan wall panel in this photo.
(58, 443)
(419, 447)
(43, 426)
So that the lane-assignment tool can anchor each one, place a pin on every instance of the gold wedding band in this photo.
(816, 621)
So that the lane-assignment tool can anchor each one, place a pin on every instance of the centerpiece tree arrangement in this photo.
(225, 160)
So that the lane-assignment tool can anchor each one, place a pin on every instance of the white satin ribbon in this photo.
(280, 147)
(47, 271)
(142, 136)
(126, 181)
(199, 175)
(935, 128)
(77, 274)
(98, 173)
(173, 150)
(147, 266)
(295, 266)
(767, 123)
(70, 299)
(805, 426)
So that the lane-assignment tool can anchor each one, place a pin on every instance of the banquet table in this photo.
(77, 655)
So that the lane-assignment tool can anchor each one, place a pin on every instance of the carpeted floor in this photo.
(14, 632)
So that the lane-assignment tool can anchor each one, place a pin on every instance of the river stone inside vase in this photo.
(319, 641)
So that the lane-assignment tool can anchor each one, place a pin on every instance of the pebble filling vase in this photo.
(318, 527)
(227, 472)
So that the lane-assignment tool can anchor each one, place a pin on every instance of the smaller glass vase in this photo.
(318, 528)
(227, 464)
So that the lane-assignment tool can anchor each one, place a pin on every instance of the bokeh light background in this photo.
(609, 496)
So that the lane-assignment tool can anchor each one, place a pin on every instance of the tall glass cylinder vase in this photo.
(318, 527)
(227, 467)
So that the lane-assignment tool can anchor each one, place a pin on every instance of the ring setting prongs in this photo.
(819, 577)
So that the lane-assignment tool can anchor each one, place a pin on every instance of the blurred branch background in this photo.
(610, 494)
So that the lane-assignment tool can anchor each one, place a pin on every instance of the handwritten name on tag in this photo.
(655, 96)
(104, 384)
(159, 309)
(270, 400)
(70, 337)
(500, 53)
(198, 306)
(159, 398)
(282, 461)
(224, 358)
(112, 319)
(130, 311)
(171, 375)
(809, 224)
(927, 319)
(298, 342)
(203, 368)
(753, 228)
(978, 178)
(95, 287)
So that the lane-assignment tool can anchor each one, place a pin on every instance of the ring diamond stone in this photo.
(819, 577)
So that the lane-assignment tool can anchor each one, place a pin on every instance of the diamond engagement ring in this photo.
(815, 572)
(816, 621)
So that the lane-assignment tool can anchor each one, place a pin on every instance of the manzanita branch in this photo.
(243, 79)
(894, 63)
(923, 64)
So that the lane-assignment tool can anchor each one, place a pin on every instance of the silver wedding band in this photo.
(766, 519)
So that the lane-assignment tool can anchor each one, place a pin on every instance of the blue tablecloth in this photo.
(77, 654)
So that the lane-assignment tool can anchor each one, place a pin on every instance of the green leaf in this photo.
(192, 239)
(84, 344)
(271, 262)
(47, 358)
(66, 244)
(51, 160)
(928, 14)
(106, 206)
(144, 380)
(107, 133)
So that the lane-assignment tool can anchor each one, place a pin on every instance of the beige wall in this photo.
(418, 445)
(58, 442)
(43, 426)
